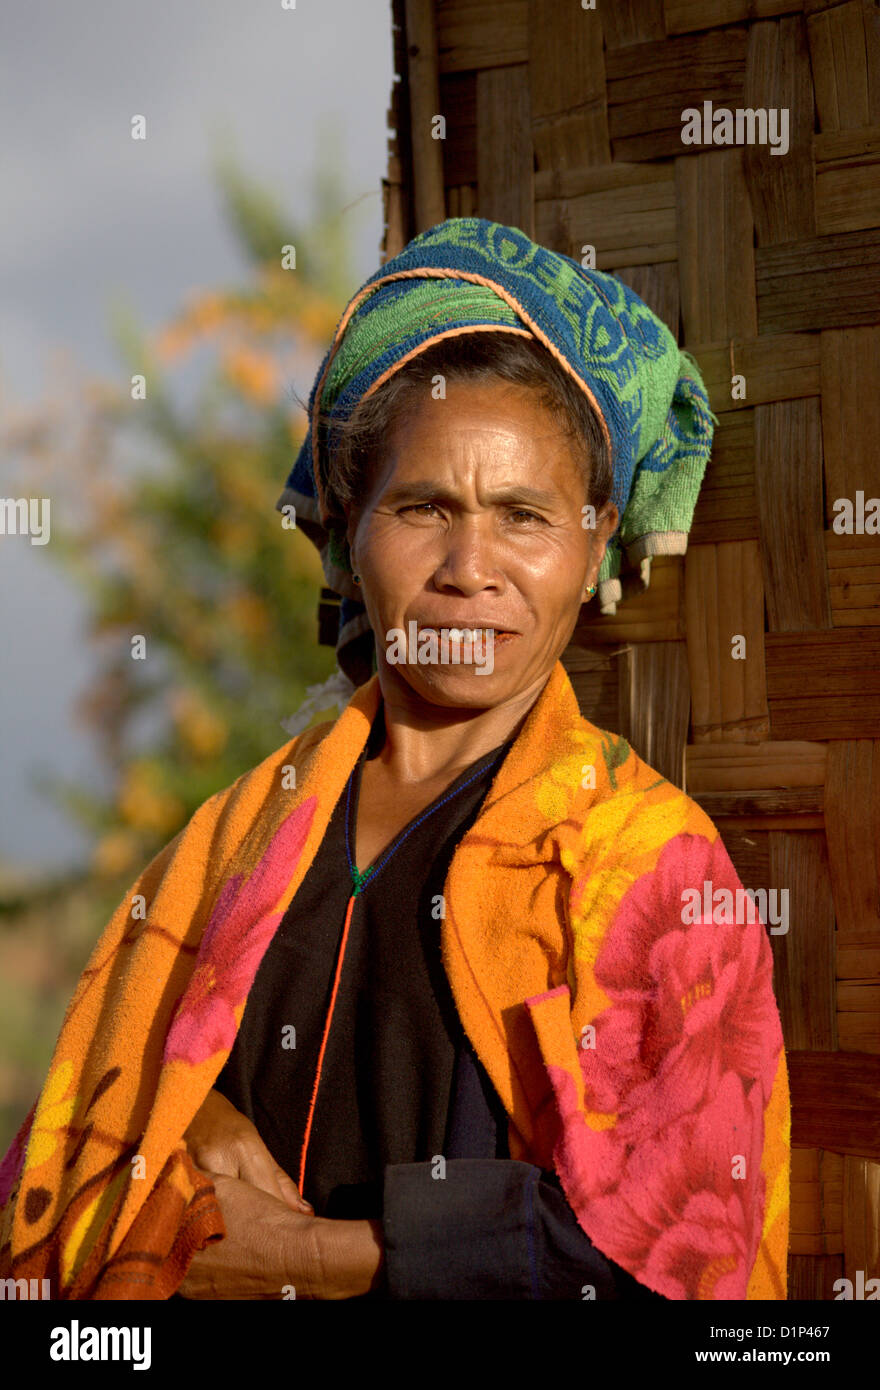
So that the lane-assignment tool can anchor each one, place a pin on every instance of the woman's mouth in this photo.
(473, 635)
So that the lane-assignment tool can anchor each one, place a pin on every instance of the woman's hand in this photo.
(275, 1246)
(268, 1251)
(222, 1140)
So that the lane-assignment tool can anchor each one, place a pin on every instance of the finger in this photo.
(291, 1193)
(212, 1158)
(258, 1167)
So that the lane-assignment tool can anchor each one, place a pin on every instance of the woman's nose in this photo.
(469, 555)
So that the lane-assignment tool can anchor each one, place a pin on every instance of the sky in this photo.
(90, 215)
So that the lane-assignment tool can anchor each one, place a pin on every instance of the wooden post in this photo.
(424, 100)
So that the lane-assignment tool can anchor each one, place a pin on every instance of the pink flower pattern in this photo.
(685, 1056)
(13, 1163)
(233, 944)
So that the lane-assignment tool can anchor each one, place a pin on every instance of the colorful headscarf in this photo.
(469, 274)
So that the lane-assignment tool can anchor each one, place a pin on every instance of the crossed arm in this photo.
(495, 1228)
(274, 1240)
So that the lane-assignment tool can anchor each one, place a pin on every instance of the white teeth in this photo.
(459, 634)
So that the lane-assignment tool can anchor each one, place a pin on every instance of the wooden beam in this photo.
(424, 101)
(834, 1101)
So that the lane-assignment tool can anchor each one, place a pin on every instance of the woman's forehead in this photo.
(483, 408)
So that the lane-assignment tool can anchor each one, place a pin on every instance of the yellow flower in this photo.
(623, 837)
(207, 312)
(144, 804)
(114, 853)
(202, 731)
(249, 614)
(255, 374)
(172, 342)
(53, 1114)
(88, 1227)
(244, 486)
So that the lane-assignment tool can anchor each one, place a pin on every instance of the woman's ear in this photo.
(606, 522)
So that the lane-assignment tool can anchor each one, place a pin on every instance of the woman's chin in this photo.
(467, 686)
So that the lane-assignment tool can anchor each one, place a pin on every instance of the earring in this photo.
(591, 590)
(356, 578)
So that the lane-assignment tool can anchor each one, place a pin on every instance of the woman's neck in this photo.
(415, 741)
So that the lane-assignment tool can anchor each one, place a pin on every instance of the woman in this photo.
(414, 1009)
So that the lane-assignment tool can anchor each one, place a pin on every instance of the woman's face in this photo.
(474, 520)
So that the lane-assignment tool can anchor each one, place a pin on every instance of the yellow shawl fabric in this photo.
(637, 1052)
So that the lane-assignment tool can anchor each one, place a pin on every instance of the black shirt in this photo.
(406, 1126)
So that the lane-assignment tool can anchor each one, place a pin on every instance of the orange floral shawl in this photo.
(637, 1052)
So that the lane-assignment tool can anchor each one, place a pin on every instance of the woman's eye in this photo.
(519, 511)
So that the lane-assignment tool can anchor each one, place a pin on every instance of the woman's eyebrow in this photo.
(428, 491)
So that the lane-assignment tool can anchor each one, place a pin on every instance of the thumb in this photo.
(291, 1193)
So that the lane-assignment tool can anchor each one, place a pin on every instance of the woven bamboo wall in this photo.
(567, 123)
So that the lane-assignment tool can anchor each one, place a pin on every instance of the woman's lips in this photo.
(498, 634)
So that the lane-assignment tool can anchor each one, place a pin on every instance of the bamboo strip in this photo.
(834, 1101)
(801, 821)
(778, 77)
(458, 102)
(858, 962)
(748, 850)
(504, 147)
(850, 420)
(727, 508)
(774, 367)
(859, 1032)
(715, 247)
(845, 56)
(852, 780)
(861, 1217)
(788, 483)
(862, 997)
(687, 16)
(655, 704)
(743, 767)
(424, 100)
(633, 21)
(629, 224)
(812, 1277)
(473, 35)
(823, 685)
(734, 619)
(650, 84)
(594, 679)
(819, 282)
(847, 166)
(803, 975)
(704, 659)
(787, 804)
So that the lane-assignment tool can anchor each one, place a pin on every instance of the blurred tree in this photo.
(163, 517)
(164, 514)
